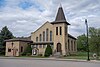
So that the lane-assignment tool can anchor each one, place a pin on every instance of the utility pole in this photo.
(87, 39)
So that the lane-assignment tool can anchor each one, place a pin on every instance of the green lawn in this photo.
(77, 57)
(80, 55)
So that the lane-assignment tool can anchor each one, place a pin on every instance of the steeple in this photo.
(60, 17)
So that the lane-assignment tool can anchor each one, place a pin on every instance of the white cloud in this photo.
(24, 21)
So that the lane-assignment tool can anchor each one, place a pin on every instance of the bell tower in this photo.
(60, 26)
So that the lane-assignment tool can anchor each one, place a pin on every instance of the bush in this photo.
(48, 51)
(28, 49)
(40, 55)
(64, 55)
(23, 54)
(27, 52)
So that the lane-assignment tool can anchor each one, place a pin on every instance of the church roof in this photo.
(19, 39)
(60, 17)
(70, 36)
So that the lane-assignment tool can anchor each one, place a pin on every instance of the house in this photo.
(16, 46)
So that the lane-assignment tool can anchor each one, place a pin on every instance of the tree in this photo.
(94, 35)
(4, 35)
(28, 50)
(81, 43)
(48, 51)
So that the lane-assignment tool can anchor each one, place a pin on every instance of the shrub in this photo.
(48, 51)
(23, 54)
(28, 54)
(64, 55)
(39, 54)
(28, 51)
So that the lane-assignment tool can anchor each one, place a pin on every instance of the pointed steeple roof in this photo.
(60, 17)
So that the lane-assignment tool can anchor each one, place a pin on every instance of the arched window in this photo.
(36, 46)
(65, 30)
(60, 30)
(47, 34)
(68, 45)
(40, 46)
(56, 30)
(40, 37)
(36, 39)
(72, 45)
(43, 46)
(50, 35)
(21, 49)
(43, 35)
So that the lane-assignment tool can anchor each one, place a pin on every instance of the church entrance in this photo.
(59, 47)
(58, 51)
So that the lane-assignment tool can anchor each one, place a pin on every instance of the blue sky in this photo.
(24, 16)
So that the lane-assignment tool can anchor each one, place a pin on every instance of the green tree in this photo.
(48, 51)
(94, 35)
(81, 43)
(4, 35)
(28, 50)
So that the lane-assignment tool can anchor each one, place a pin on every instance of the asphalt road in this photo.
(44, 63)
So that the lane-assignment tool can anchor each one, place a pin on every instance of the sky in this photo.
(25, 16)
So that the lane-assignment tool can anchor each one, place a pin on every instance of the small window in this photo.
(56, 30)
(68, 45)
(40, 37)
(60, 30)
(12, 44)
(36, 39)
(65, 30)
(36, 46)
(43, 35)
(40, 46)
(47, 30)
(43, 46)
(72, 45)
(21, 49)
(50, 35)
(9, 50)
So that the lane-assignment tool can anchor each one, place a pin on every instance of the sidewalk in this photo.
(51, 58)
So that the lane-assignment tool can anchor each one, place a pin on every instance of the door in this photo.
(58, 47)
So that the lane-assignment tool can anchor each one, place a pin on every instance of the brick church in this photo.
(53, 33)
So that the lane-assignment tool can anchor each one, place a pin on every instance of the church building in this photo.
(56, 35)
(53, 33)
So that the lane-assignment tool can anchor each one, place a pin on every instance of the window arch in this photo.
(36, 39)
(50, 35)
(72, 45)
(47, 30)
(60, 30)
(56, 30)
(68, 45)
(40, 37)
(43, 35)
(21, 49)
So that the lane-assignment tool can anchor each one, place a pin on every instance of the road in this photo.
(44, 63)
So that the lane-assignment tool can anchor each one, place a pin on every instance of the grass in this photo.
(80, 55)
(77, 57)
(34, 56)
